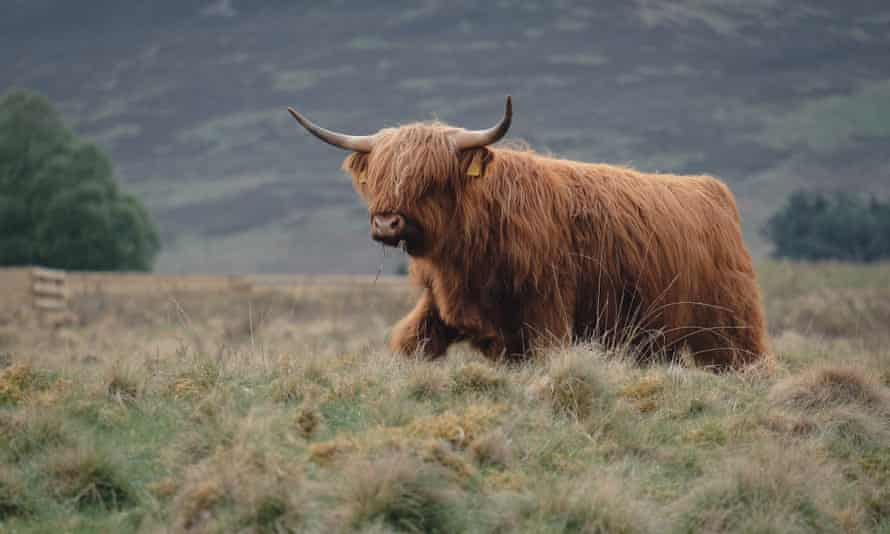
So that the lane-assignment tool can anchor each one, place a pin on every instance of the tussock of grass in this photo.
(770, 490)
(213, 409)
(196, 444)
(600, 505)
(401, 493)
(476, 377)
(122, 384)
(443, 453)
(239, 488)
(647, 387)
(853, 434)
(14, 501)
(426, 382)
(491, 450)
(790, 425)
(326, 452)
(307, 419)
(20, 380)
(863, 441)
(98, 412)
(710, 434)
(201, 375)
(831, 385)
(644, 392)
(291, 388)
(88, 477)
(507, 481)
(310, 381)
(618, 431)
(574, 386)
(30, 432)
(458, 428)
(395, 411)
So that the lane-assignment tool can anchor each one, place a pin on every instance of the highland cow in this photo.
(515, 251)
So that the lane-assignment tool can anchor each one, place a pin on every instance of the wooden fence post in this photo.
(49, 296)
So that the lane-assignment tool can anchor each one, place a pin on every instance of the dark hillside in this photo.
(188, 96)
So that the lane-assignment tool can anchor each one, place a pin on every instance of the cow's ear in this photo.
(474, 161)
(356, 164)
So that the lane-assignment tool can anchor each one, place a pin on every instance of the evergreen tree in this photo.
(59, 203)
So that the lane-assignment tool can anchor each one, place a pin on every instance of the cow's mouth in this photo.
(397, 231)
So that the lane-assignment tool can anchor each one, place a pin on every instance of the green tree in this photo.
(840, 226)
(59, 203)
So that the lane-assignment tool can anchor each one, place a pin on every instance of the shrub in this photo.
(842, 226)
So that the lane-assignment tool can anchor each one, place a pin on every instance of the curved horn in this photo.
(478, 138)
(357, 143)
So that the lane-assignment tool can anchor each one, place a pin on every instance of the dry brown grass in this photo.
(280, 411)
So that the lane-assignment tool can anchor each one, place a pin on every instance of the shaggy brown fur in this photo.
(540, 251)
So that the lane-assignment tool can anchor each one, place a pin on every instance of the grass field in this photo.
(279, 411)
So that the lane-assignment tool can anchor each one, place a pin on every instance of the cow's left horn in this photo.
(357, 143)
(478, 138)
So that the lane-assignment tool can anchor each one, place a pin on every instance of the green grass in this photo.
(180, 419)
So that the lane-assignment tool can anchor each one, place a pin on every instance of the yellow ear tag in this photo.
(363, 177)
(475, 168)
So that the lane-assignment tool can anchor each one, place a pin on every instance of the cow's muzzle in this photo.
(393, 229)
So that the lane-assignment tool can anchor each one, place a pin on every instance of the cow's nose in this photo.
(389, 224)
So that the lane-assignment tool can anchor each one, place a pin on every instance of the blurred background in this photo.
(184, 102)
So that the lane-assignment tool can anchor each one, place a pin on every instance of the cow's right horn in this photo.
(356, 143)
(466, 139)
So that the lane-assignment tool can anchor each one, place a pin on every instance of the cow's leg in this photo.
(544, 319)
(422, 331)
(499, 347)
